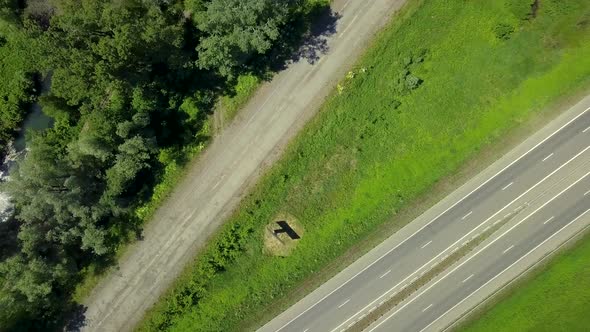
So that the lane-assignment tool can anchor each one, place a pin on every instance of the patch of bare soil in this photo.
(282, 235)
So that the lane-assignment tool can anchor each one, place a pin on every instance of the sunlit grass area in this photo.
(443, 80)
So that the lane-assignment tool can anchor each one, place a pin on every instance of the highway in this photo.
(533, 193)
(561, 208)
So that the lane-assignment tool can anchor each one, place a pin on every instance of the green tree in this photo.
(9, 11)
(235, 30)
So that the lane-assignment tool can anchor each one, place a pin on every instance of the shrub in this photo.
(503, 31)
(412, 81)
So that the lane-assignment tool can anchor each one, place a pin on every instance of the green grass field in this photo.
(556, 299)
(442, 81)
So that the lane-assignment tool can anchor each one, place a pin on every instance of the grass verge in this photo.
(439, 84)
(229, 105)
(552, 298)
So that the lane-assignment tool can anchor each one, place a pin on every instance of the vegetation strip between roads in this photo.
(404, 118)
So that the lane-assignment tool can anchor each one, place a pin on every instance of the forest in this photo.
(132, 84)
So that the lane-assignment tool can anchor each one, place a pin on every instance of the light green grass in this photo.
(554, 300)
(362, 159)
(246, 85)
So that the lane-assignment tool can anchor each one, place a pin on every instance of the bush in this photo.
(503, 31)
(412, 81)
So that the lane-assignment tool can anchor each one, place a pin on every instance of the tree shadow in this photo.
(304, 38)
(9, 244)
(315, 43)
(76, 319)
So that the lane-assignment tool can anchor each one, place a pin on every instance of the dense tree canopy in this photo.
(235, 30)
(128, 79)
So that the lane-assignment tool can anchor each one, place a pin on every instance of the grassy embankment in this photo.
(555, 298)
(443, 81)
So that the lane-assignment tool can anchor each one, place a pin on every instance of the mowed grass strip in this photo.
(442, 81)
(557, 298)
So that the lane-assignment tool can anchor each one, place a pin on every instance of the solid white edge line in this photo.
(511, 265)
(452, 206)
(479, 251)
(458, 241)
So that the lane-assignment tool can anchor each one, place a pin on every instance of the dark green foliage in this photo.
(17, 87)
(236, 30)
(406, 80)
(503, 31)
(112, 65)
(129, 80)
(412, 82)
(9, 11)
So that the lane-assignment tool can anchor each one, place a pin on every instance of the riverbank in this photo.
(15, 149)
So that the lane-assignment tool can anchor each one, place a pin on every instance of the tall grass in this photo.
(434, 88)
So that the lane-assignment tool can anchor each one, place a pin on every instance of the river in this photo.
(35, 120)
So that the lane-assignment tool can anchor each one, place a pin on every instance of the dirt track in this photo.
(233, 162)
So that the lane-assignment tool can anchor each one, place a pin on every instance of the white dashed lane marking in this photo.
(549, 156)
(426, 244)
(342, 305)
(508, 185)
(467, 278)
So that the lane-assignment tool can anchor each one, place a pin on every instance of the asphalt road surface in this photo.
(214, 185)
(542, 185)
(557, 209)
